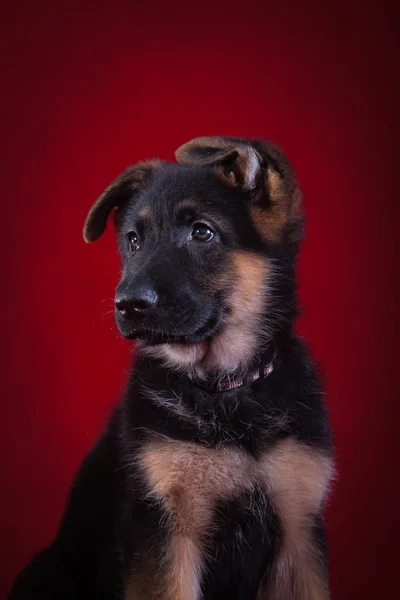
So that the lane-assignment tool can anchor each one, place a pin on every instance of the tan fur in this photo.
(188, 203)
(236, 343)
(187, 479)
(298, 478)
(182, 578)
(182, 356)
(185, 578)
(285, 209)
(144, 212)
(246, 169)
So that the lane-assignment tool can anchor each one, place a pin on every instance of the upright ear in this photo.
(115, 195)
(261, 168)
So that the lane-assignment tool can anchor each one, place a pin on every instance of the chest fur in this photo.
(189, 481)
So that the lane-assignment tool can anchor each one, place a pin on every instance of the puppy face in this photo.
(197, 241)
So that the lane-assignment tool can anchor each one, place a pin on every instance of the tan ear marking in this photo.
(237, 161)
(202, 150)
(285, 210)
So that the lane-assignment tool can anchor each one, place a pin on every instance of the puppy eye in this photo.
(202, 233)
(133, 240)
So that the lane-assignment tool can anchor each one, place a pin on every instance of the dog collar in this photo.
(231, 383)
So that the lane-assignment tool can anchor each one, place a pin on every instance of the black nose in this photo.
(135, 305)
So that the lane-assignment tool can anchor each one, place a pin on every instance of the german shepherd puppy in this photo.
(210, 479)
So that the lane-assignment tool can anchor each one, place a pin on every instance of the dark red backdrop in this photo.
(89, 89)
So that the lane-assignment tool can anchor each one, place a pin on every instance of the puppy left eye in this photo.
(202, 233)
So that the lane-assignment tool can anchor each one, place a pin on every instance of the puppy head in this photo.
(199, 242)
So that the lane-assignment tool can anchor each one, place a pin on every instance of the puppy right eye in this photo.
(133, 240)
(202, 233)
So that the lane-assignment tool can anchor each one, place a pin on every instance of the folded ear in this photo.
(115, 195)
(259, 167)
(238, 162)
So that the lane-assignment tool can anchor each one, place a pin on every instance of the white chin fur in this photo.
(184, 356)
(230, 351)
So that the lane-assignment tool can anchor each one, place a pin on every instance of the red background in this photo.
(89, 88)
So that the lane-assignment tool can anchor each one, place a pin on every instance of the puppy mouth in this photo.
(154, 337)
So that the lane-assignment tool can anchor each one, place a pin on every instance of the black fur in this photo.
(110, 522)
(243, 545)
